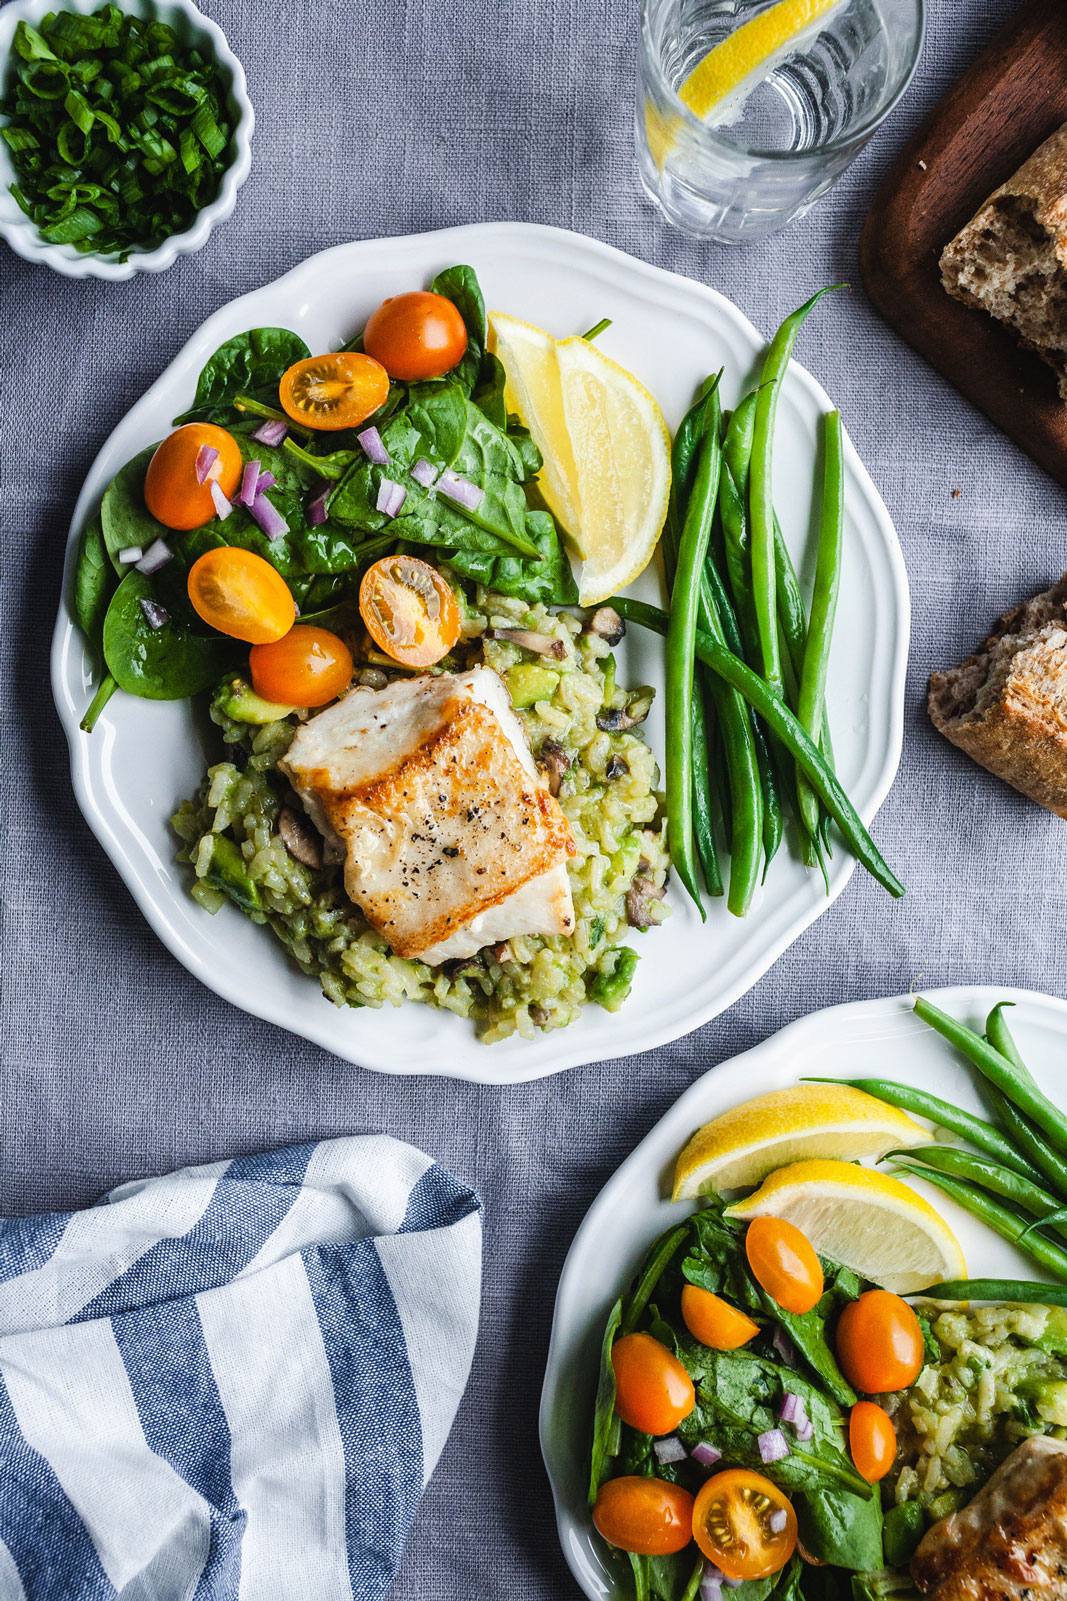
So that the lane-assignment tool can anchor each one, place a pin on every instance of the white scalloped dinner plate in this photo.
(866, 1039)
(145, 756)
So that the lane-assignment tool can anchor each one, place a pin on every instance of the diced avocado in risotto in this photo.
(1000, 1377)
(233, 832)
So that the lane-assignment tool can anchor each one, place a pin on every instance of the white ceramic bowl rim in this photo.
(22, 234)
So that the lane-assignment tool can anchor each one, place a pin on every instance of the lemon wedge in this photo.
(606, 447)
(738, 1149)
(719, 85)
(872, 1223)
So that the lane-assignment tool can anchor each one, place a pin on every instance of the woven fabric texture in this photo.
(115, 1063)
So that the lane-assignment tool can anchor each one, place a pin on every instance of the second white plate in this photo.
(145, 756)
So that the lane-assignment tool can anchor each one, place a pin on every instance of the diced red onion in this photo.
(316, 512)
(130, 554)
(731, 1584)
(249, 483)
(784, 1346)
(156, 556)
(805, 1431)
(155, 615)
(374, 447)
(391, 496)
(670, 1449)
(778, 1520)
(705, 1454)
(271, 432)
(714, 1575)
(773, 1445)
(461, 490)
(223, 507)
(268, 517)
(424, 472)
(267, 481)
(791, 1408)
(207, 464)
(710, 1588)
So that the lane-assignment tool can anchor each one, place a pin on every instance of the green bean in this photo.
(1001, 1073)
(1021, 1292)
(784, 726)
(812, 693)
(983, 1136)
(1032, 1144)
(717, 617)
(1002, 1221)
(792, 618)
(999, 1036)
(737, 446)
(703, 811)
(680, 653)
(761, 505)
(684, 452)
(992, 1176)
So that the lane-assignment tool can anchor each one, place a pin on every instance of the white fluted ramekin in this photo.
(193, 28)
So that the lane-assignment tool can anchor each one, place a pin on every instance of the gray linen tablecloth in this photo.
(388, 120)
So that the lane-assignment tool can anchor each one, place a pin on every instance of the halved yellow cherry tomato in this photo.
(171, 490)
(240, 594)
(307, 667)
(872, 1439)
(714, 1322)
(784, 1263)
(653, 1392)
(409, 610)
(744, 1524)
(879, 1343)
(647, 1516)
(337, 390)
(417, 335)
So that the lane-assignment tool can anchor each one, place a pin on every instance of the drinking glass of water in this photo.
(748, 110)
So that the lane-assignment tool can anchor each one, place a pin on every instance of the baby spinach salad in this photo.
(117, 131)
(773, 1412)
(322, 506)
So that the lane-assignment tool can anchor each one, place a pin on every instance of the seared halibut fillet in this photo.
(1010, 1543)
(428, 792)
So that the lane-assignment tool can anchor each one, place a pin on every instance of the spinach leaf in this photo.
(247, 363)
(167, 663)
(674, 1578)
(840, 1529)
(528, 453)
(488, 392)
(94, 582)
(902, 1530)
(439, 414)
(460, 285)
(652, 1270)
(124, 516)
(606, 1424)
(550, 581)
(639, 1565)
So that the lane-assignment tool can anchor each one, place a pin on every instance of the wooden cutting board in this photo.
(1007, 104)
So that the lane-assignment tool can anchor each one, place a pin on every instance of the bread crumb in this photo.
(922, 164)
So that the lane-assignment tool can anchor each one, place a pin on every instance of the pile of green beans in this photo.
(747, 734)
(1017, 1186)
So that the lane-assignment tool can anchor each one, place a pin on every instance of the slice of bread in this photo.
(1011, 258)
(1007, 705)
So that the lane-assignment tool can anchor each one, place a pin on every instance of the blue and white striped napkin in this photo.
(235, 1381)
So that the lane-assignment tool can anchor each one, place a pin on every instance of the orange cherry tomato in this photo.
(409, 610)
(714, 1322)
(240, 594)
(306, 667)
(744, 1524)
(171, 491)
(338, 390)
(418, 335)
(879, 1343)
(648, 1516)
(872, 1439)
(784, 1263)
(653, 1392)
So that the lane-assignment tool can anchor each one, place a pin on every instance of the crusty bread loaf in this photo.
(1011, 258)
(1007, 705)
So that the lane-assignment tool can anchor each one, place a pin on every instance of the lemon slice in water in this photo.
(719, 85)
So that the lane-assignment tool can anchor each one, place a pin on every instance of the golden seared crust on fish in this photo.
(449, 836)
(1010, 1542)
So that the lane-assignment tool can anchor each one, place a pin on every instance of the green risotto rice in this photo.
(608, 794)
(1001, 1377)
